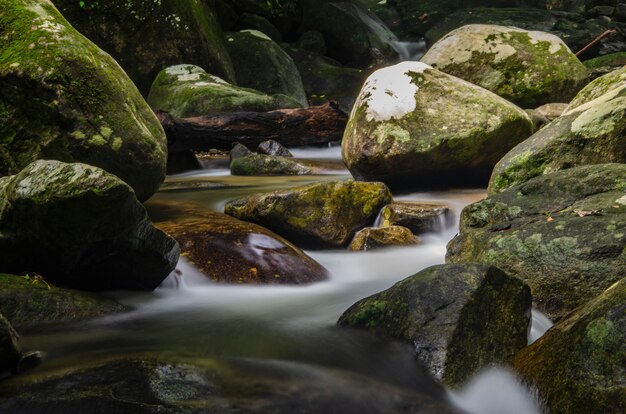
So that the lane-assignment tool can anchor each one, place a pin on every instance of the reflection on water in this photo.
(295, 324)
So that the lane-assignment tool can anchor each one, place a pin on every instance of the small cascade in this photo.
(539, 325)
(411, 51)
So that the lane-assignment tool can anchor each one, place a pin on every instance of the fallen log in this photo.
(317, 125)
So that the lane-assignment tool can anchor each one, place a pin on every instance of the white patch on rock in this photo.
(256, 33)
(189, 77)
(621, 200)
(555, 42)
(390, 92)
(177, 70)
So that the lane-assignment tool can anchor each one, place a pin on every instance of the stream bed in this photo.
(291, 327)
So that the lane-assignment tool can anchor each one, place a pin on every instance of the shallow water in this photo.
(294, 325)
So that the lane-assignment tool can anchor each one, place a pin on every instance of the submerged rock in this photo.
(323, 214)
(31, 301)
(188, 91)
(81, 227)
(145, 36)
(578, 365)
(590, 133)
(61, 97)
(376, 237)
(260, 164)
(529, 68)
(416, 127)
(563, 233)
(459, 318)
(228, 250)
(261, 64)
(161, 384)
(417, 216)
(10, 350)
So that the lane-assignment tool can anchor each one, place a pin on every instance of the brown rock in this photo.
(372, 237)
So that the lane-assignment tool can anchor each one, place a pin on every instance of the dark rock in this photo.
(261, 64)
(267, 165)
(271, 147)
(248, 21)
(31, 301)
(10, 350)
(562, 233)
(182, 161)
(145, 36)
(324, 214)
(80, 227)
(459, 318)
(233, 251)
(63, 98)
(312, 41)
(239, 151)
(417, 216)
(376, 237)
(578, 365)
(160, 384)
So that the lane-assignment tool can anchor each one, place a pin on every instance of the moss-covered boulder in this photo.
(261, 164)
(592, 133)
(261, 64)
(578, 366)
(10, 350)
(375, 237)
(159, 383)
(611, 81)
(417, 216)
(61, 97)
(323, 214)
(612, 60)
(146, 36)
(228, 250)
(563, 233)
(80, 227)
(31, 301)
(416, 127)
(354, 36)
(529, 68)
(459, 318)
(326, 80)
(186, 91)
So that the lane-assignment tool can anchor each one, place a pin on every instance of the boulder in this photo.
(416, 127)
(417, 216)
(325, 80)
(80, 227)
(249, 21)
(376, 237)
(145, 36)
(188, 91)
(228, 250)
(158, 383)
(31, 301)
(605, 64)
(578, 365)
(260, 164)
(592, 133)
(353, 36)
(10, 350)
(271, 147)
(182, 161)
(529, 68)
(613, 80)
(61, 97)
(459, 318)
(562, 233)
(552, 110)
(239, 151)
(318, 215)
(575, 30)
(261, 64)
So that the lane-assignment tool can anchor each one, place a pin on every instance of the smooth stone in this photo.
(377, 237)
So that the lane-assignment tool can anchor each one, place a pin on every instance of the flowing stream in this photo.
(292, 325)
